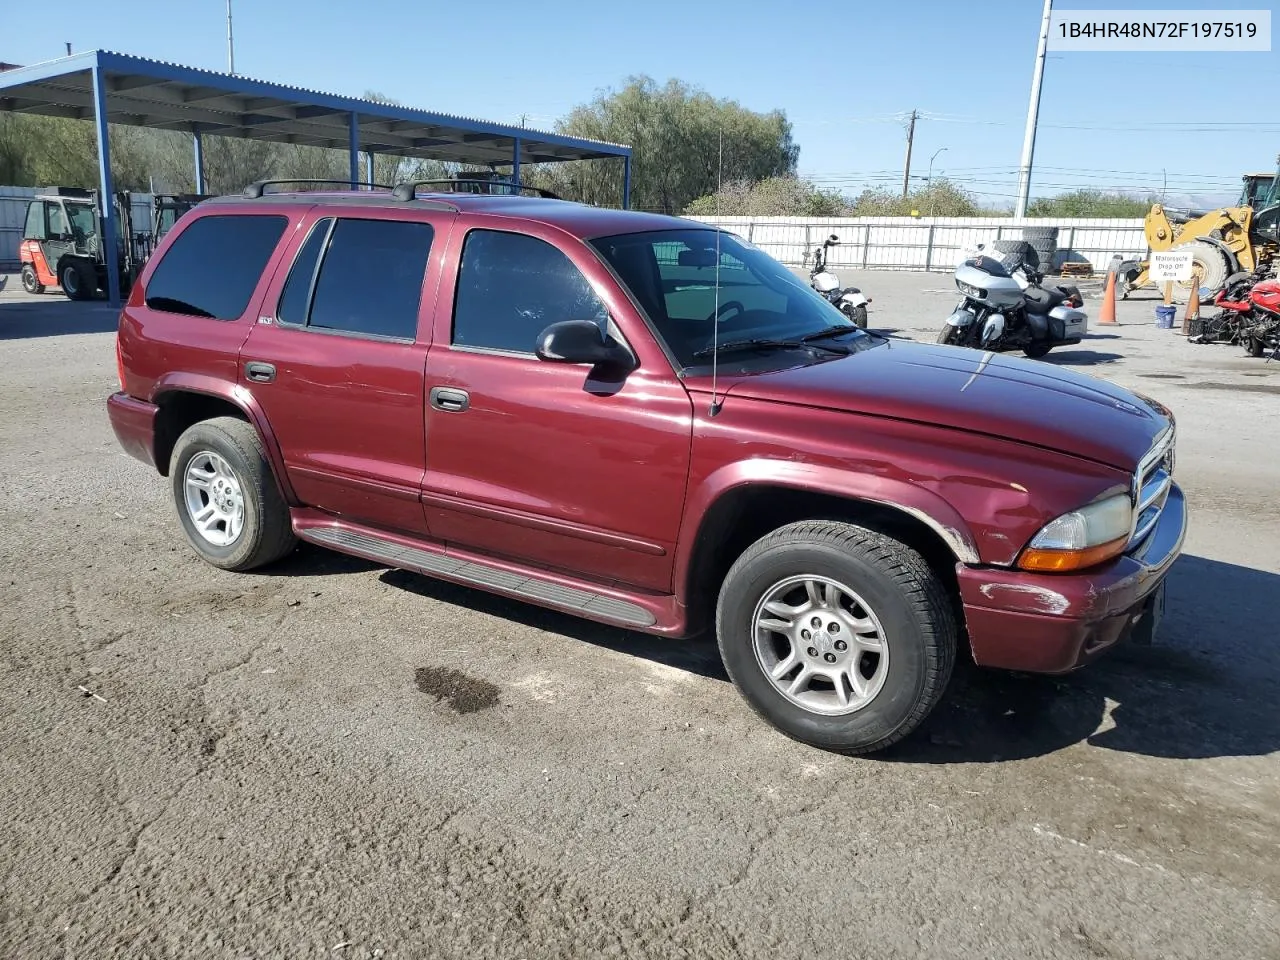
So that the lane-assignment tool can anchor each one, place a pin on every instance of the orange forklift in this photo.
(62, 239)
(62, 243)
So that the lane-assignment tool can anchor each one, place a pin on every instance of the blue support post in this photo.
(368, 169)
(515, 163)
(106, 191)
(626, 183)
(198, 140)
(355, 148)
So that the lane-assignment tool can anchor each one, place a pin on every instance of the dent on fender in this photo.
(870, 488)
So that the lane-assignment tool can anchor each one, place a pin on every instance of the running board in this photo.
(524, 586)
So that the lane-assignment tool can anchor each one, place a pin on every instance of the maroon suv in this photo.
(645, 422)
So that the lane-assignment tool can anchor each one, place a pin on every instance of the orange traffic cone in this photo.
(1108, 312)
(1193, 306)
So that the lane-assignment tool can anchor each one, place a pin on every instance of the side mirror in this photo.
(833, 239)
(581, 341)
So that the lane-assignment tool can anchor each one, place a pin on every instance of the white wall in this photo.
(13, 215)
(908, 243)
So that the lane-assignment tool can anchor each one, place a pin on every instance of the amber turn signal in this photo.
(1066, 561)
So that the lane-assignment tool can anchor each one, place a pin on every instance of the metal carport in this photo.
(118, 88)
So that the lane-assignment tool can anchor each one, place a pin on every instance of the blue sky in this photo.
(843, 72)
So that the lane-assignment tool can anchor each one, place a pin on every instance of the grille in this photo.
(1151, 484)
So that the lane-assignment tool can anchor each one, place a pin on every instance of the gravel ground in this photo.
(330, 758)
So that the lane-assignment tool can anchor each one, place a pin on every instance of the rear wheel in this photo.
(77, 280)
(1037, 350)
(30, 282)
(227, 499)
(1255, 347)
(839, 636)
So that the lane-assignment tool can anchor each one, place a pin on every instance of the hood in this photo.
(1007, 397)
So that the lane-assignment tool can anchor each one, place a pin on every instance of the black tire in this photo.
(30, 282)
(77, 280)
(267, 534)
(1214, 270)
(858, 315)
(1041, 234)
(947, 335)
(1017, 250)
(1037, 350)
(908, 600)
(1255, 347)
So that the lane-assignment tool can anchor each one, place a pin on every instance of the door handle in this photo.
(260, 372)
(449, 399)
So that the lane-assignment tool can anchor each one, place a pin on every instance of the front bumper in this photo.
(134, 423)
(1048, 623)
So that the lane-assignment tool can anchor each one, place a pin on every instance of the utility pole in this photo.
(231, 49)
(906, 168)
(1033, 114)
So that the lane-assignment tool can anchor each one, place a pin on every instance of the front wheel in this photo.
(839, 636)
(227, 499)
(857, 314)
(77, 280)
(30, 282)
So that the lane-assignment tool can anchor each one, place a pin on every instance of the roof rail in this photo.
(409, 191)
(256, 189)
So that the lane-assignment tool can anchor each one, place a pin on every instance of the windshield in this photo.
(672, 275)
(84, 220)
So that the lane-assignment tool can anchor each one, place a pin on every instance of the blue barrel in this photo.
(1164, 317)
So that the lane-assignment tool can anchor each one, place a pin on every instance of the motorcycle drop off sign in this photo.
(1170, 267)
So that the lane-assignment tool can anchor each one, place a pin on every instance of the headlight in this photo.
(969, 290)
(1082, 538)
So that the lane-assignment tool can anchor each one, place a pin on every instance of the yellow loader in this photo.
(1222, 242)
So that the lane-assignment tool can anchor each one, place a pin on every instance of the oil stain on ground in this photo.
(464, 693)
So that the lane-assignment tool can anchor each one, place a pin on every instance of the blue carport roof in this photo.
(168, 96)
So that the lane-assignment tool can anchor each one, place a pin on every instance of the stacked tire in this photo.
(1045, 242)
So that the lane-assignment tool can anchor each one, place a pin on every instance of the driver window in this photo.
(58, 225)
(511, 287)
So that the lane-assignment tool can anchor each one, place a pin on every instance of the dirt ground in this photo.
(329, 758)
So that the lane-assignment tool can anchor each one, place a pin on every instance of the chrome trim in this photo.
(1150, 486)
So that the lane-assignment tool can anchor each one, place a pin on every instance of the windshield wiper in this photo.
(765, 343)
(833, 331)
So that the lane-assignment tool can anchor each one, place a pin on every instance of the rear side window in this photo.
(214, 265)
(370, 277)
(511, 287)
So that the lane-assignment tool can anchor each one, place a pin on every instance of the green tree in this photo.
(771, 197)
(676, 133)
(942, 198)
(1092, 203)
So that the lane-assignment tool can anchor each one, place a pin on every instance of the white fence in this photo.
(13, 215)
(908, 243)
(867, 243)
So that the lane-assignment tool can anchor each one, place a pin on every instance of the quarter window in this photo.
(214, 265)
(511, 287)
(370, 277)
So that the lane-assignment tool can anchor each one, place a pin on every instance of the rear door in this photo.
(336, 360)
(538, 461)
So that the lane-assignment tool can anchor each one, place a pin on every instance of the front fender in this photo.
(923, 505)
(239, 396)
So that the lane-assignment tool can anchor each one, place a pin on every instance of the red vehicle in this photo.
(644, 422)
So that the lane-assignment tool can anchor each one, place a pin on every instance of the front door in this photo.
(336, 361)
(536, 461)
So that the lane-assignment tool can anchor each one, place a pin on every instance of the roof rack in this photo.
(256, 189)
(409, 191)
